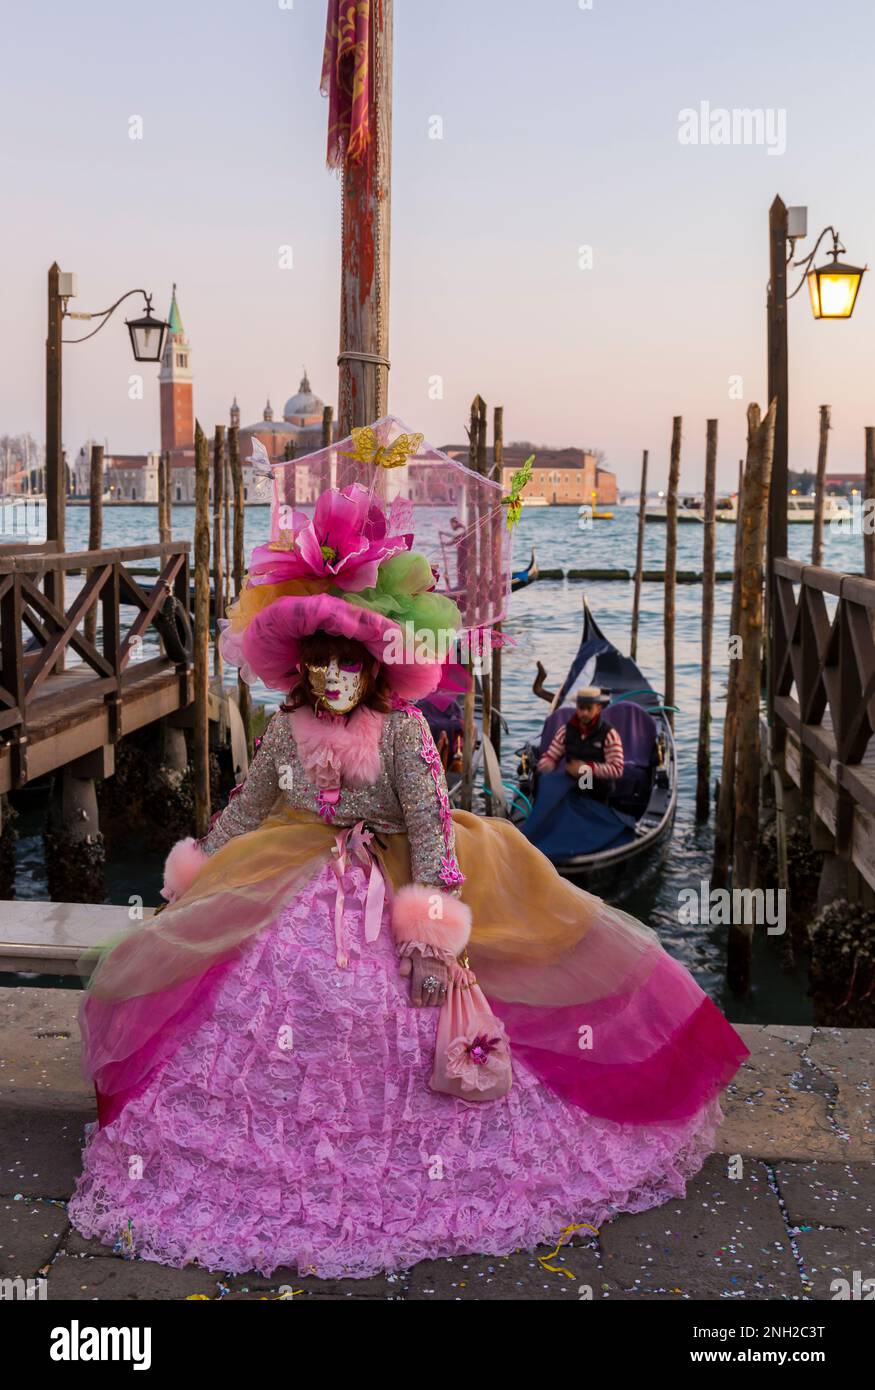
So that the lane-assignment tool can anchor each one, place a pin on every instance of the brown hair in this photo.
(318, 649)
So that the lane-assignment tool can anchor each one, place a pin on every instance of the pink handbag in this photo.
(472, 1053)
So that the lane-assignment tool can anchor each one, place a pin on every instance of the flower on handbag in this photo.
(478, 1059)
(344, 542)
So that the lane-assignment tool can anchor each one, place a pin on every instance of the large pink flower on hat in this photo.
(345, 542)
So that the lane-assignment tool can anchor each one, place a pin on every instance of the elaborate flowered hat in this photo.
(380, 538)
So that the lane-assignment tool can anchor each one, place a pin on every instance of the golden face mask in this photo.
(337, 687)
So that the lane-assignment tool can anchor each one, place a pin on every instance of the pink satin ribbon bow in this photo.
(354, 846)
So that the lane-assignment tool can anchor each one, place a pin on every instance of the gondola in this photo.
(605, 846)
(520, 578)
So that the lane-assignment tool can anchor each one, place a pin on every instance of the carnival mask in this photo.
(339, 686)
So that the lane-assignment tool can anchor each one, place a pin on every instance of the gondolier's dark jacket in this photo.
(602, 747)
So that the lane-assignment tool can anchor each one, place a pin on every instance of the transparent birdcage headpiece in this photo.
(447, 512)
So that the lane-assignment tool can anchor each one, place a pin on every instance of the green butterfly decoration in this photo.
(513, 500)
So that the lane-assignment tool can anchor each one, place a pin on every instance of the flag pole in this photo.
(363, 360)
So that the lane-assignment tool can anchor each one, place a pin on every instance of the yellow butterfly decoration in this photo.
(367, 450)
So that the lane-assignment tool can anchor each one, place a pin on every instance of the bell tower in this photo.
(177, 409)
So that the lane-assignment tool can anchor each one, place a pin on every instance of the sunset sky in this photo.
(560, 130)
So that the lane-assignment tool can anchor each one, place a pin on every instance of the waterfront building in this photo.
(846, 483)
(560, 477)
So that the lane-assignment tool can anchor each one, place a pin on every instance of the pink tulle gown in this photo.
(294, 1126)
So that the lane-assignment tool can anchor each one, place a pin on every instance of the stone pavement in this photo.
(786, 1205)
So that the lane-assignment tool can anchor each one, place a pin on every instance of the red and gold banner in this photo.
(346, 80)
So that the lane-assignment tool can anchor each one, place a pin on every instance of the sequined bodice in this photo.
(410, 794)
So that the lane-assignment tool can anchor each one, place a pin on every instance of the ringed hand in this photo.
(429, 979)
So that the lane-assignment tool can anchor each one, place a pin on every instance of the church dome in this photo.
(303, 404)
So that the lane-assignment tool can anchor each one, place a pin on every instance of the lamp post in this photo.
(147, 343)
(833, 290)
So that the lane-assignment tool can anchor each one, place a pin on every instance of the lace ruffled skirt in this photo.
(294, 1127)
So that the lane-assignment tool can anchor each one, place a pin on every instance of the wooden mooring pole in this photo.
(227, 494)
(868, 512)
(671, 561)
(778, 391)
(725, 818)
(869, 505)
(748, 772)
(709, 556)
(820, 488)
(475, 556)
(483, 579)
(95, 527)
(218, 499)
(244, 697)
(201, 632)
(363, 360)
(497, 461)
(164, 527)
(639, 558)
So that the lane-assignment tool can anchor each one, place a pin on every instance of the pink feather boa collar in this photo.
(339, 751)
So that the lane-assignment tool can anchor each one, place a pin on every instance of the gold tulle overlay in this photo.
(524, 914)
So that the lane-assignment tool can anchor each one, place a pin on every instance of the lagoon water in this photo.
(544, 620)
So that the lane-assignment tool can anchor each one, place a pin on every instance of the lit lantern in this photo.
(833, 288)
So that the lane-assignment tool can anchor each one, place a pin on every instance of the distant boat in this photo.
(586, 510)
(534, 502)
(689, 509)
(520, 578)
(800, 510)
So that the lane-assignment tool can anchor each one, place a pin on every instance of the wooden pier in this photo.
(53, 714)
(824, 706)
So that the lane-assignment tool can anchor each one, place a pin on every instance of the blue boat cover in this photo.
(565, 821)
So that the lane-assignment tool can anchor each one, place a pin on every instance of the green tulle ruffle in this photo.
(402, 594)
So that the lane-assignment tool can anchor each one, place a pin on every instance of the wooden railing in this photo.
(830, 659)
(36, 633)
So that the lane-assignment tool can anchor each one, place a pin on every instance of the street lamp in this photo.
(147, 341)
(833, 288)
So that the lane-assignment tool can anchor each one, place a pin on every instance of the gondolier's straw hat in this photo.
(592, 695)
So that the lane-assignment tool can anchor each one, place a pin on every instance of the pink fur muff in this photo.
(181, 868)
(430, 918)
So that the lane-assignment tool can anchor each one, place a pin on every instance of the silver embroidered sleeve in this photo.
(255, 797)
(421, 788)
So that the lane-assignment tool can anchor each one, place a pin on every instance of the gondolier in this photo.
(587, 741)
(607, 838)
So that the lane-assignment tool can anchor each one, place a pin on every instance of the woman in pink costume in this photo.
(264, 1049)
